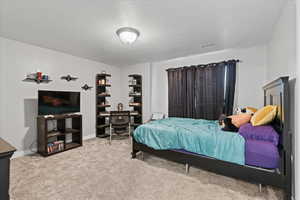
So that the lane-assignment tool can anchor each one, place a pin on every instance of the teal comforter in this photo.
(203, 137)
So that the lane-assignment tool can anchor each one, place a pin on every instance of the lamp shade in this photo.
(128, 35)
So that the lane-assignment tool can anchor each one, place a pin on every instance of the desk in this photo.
(107, 113)
(104, 116)
(6, 151)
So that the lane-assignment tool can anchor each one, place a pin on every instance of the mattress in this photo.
(261, 154)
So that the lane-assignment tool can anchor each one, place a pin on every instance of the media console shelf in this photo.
(63, 137)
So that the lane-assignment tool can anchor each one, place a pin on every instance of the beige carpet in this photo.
(98, 171)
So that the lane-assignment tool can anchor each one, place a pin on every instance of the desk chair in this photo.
(119, 120)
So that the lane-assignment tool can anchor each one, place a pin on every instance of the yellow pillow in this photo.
(264, 115)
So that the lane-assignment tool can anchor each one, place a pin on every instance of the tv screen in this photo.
(57, 102)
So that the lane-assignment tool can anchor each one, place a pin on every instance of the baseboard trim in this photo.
(87, 137)
(33, 151)
(24, 153)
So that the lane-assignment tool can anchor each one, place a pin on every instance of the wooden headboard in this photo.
(277, 93)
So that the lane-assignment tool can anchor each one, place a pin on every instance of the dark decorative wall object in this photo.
(86, 87)
(69, 78)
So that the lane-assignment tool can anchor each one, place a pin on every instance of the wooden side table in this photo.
(6, 151)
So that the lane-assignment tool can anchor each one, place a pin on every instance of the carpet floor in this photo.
(98, 171)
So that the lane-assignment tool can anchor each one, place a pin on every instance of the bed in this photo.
(205, 137)
(225, 153)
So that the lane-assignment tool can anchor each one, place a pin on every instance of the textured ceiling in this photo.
(169, 28)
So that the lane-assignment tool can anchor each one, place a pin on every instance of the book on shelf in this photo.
(55, 146)
(102, 82)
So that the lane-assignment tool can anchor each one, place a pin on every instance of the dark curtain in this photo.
(181, 92)
(203, 91)
(230, 86)
(189, 93)
(209, 91)
(176, 85)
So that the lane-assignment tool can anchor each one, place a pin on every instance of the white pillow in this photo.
(157, 115)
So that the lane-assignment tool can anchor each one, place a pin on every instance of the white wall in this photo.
(20, 98)
(281, 61)
(250, 75)
(144, 70)
(297, 107)
(281, 50)
(1, 87)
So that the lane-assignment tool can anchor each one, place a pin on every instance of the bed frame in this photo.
(275, 93)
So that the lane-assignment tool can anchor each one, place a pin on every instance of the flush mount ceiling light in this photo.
(128, 35)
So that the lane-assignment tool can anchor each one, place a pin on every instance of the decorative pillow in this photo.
(260, 133)
(240, 119)
(264, 115)
(251, 109)
(246, 110)
(157, 116)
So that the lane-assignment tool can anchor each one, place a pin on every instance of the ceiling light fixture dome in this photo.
(128, 35)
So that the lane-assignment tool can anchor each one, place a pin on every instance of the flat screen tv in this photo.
(58, 102)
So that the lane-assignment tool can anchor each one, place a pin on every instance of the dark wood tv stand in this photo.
(48, 139)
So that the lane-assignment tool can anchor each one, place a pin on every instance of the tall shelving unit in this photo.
(136, 102)
(102, 115)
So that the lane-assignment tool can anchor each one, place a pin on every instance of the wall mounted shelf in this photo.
(36, 80)
(135, 86)
(103, 95)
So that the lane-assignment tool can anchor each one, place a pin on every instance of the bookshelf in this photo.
(102, 104)
(61, 138)
(136, 99)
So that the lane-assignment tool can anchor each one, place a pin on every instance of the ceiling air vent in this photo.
(208, 45)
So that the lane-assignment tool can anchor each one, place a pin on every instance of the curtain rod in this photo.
(237, 61)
